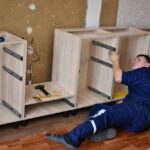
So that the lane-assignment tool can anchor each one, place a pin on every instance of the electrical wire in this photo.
(34, 59)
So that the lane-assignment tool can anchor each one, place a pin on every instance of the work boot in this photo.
(62, 139)
(103, 135)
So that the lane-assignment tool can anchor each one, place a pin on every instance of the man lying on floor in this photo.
(133, 114)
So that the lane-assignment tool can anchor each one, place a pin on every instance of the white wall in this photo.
(134, 13)
(93, 13)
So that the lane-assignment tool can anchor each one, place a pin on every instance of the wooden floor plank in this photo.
(33, 136)
(39, 142)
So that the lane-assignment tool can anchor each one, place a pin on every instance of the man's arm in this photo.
(116, 67)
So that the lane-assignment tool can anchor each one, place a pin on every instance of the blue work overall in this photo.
(133, 114)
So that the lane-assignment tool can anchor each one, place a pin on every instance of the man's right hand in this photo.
(114, 57)
(116, 66)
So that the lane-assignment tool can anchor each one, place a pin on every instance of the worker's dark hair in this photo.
(147, 58)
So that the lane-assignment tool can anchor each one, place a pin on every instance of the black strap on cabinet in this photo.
(99, 92)
(104, 45)
(68, 102)
(10, 52)
(101, 62)
(12, 73)
(11, 108)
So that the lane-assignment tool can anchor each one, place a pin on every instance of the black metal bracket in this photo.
(104, 45)
(10, 52)
(99, 92)
(101, 62)
(12, 73)
(68, 102)
(11, 108)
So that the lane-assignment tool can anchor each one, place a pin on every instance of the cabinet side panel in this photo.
(24, 48)
(0, 71)
(13, 77)
(100, 73)
(100, 78)
(66, 61)
(84, 62)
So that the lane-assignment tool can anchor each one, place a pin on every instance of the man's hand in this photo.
(114, 57)
(116, 66)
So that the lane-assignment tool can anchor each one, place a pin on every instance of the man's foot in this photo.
(62, 139)
(103, 135)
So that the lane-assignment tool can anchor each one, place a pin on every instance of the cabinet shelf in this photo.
(48, 108)
(88, 98)
(51, 87)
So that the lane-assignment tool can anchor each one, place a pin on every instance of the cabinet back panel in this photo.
(130, 47)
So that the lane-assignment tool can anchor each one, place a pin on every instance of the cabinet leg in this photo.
(15, 125)
(74, 112)
(23, 123)
(66, 115)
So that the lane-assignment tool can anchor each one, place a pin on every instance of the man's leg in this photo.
(84, 130)
(102, 135)
(119, 114)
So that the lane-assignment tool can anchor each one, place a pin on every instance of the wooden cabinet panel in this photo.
(100, 79)
(95, 67)
(13, 73)
(100, 48)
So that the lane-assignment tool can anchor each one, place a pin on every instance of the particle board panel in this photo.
(100, 77)
(13, 72)
(87, 33)
(101, 52)
(7, 116)
(12, 91)
(10, 38)
(51, 88)
(66, 61)
(84, 62)
(34, 111)
(107, 32)
(88, 98)
(13, 63)
(130, 47)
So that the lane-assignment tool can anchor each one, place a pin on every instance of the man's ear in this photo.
(147, 65)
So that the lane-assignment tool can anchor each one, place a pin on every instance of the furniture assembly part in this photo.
(13, 76)
(66, 58)
(46, 105)
(95, 76)
(82, 73)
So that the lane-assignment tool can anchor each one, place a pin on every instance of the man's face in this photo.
(139, 62)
